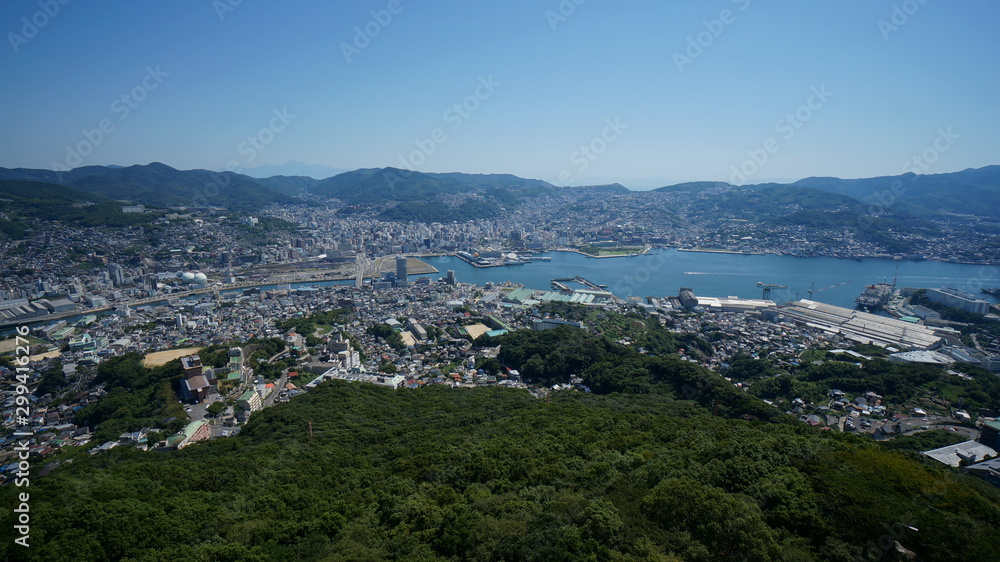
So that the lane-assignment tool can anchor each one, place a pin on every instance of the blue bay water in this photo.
(721, 275)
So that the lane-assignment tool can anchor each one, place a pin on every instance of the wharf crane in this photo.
(766, 293)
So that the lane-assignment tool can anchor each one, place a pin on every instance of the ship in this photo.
(992, 292)
(874, 296)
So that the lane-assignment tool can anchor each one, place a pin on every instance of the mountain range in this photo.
(975, 191)
(967, 192)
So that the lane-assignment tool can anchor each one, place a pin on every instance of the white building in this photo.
(958, 299)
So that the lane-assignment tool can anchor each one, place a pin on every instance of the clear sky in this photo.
(573, 91)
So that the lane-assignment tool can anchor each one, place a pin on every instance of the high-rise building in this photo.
(117, 274)
(449, 277)
(401, 271)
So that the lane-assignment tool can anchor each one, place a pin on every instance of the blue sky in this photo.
(572, 92)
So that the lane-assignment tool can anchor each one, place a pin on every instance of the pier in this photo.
(560, 284)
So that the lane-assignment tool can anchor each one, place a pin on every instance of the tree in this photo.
(215, 408)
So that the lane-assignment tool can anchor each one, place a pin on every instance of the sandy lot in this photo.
(477, 330)
(408, 338)
(48, 355)
(414, 266)
(164, 357)
(9, 345)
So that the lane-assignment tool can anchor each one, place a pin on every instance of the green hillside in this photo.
(692, 186)
(160, 185)
(25, 201)
(379, 185)
(41, 191)
(971, 191)
(288, 185)
(776, 201)
(664, 461)
(495, 474)
(49, 176)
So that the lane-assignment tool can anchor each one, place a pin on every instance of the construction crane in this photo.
(766, 293)
(812, 291)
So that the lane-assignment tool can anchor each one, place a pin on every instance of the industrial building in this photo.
(958, 299)
(540, 324)
(922, 358)
(734, 304)
(861, 327)
(968, 451)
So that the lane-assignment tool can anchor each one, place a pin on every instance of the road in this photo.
(915, 425)
(278, 354)
(367, 268)
(278, 387)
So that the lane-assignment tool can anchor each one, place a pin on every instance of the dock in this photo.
(559, 284)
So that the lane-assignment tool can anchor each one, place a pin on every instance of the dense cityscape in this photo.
(195, 278)
(500, 281)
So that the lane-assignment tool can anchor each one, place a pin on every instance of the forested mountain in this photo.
(36, 190)
(289, 185)
(664, 460)
(22, 201)
(377, 185)
(495, 474)
(49, 176)
(693, 186)
(973, 191)
(160, 185)
(776, 201)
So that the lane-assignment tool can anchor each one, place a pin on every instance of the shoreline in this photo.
(426, 269)
(720, 251)
(629, 255)
(346, 278)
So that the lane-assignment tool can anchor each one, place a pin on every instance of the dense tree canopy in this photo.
(495, 474)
